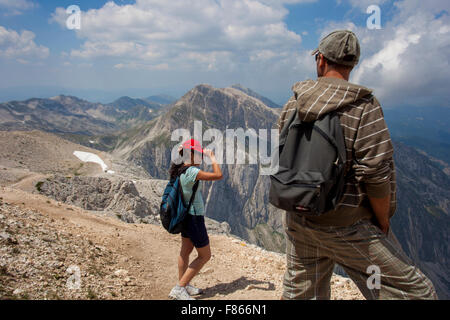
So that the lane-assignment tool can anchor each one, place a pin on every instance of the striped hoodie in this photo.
(370, 164)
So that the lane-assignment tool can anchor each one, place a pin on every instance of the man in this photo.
(356, 235)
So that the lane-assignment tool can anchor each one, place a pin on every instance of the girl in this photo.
(194, 232)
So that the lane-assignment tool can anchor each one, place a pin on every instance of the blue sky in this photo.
(146, 47)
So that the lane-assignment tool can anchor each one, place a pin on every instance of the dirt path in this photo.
(152, 253)
(149, 255)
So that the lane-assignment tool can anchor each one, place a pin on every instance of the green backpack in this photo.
(312, 166)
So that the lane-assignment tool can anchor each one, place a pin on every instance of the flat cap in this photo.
(341, 47)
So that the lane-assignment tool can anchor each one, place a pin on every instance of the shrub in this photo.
(39, 185)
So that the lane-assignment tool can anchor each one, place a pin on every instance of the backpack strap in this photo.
(182, 170)
(194, 188)
(194, 191)
(285, 130)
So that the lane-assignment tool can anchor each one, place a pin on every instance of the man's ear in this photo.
(322, 61)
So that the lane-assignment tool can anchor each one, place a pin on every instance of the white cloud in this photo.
(180, 34)
(17, 4)
(184, 42)
(15, 7)
(132, 65)
(408, 61)
(364, 4)
(20, 47)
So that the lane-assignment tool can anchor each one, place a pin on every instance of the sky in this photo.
(147, 47)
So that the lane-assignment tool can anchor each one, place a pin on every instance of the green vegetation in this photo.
(76, 173)
(57, 276)
(127, 135)
(91, 294)
(39, 185)
(162, 139)
(94, 269)
(52, 295)
(24, 296)
(3, 271)
(102, 143)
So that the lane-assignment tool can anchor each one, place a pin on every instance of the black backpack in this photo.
(173, 209)
(312, 166)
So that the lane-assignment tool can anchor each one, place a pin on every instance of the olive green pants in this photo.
(373, 260)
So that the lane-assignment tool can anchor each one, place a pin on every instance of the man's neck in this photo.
(335, 74)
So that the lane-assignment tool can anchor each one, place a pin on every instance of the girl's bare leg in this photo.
(204, 254)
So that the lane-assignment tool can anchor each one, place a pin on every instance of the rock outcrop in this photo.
(99, 194)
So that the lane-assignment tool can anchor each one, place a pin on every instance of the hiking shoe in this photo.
(193, 291)
(180, 293)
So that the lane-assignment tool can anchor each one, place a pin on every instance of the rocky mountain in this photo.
(238, 203)
(59, 114)
(26, 153)
(68, 114)
(126, 192)
(241, 198)
(126, 103)
(100, 194)
(422, 220)
(130, 112)
(83, 122)
(59, 218)
(256, 95)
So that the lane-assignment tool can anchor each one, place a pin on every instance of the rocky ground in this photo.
(52, 250)
(68, 230)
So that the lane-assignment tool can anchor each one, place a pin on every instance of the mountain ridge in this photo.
(256, 95)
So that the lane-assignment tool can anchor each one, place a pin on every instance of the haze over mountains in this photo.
(138, 131)
(425, 128)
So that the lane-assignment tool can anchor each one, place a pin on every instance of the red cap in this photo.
(193, 145)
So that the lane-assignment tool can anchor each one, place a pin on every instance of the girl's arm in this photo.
(210, 176)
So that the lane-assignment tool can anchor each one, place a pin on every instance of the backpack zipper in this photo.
(308, 185)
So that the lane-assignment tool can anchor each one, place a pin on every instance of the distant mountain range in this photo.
(139, 130)
(161, 99)
(425, 128)
(153, 102)
(58, 114)
(79, 120)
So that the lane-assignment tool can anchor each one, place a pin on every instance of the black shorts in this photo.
(194, 228)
